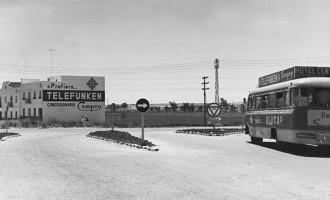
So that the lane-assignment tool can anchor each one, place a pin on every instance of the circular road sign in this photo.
(214, 109)
(142, 105)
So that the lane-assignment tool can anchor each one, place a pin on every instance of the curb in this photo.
(10, 136)
(123, 143)
(208, 134)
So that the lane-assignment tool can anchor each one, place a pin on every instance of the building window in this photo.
(23, 95)
(29, 112)
(5, 99)
(40, 113)
(34, 112)
(23, 112)
(34, 95)
(11, 114)
(15, 99)
(0, 115)
(15, 114)
(40, 94)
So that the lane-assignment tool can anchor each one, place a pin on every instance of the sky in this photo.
(161, 49)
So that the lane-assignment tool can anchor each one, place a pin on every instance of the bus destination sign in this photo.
(294, 73)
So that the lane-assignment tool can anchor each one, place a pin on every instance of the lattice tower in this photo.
(216, 67)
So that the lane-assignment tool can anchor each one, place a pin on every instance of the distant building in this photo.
(63, 98)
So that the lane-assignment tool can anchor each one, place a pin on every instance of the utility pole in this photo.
(204, 88)
(51, 61)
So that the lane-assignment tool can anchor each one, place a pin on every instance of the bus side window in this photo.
(306, 96)
(264, 103)
(279, 100)
(286, 99)
(251, 103)
(258, 102)
(295, 97)
(322, 98)
(271, 100)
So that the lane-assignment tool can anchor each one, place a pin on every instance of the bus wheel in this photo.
(256, 140)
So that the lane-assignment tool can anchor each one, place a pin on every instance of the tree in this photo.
(113, 107)
(182, 108)
(192, 107)
(185, 107)
(157, 109)
(173, 105)
(200, 108)
(224, 103)
(167, 108)
(232, 108)
(124, 105)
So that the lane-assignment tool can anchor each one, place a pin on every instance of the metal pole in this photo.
(142, 125)
(113, 113)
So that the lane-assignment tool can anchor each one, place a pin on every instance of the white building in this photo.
(63, 98)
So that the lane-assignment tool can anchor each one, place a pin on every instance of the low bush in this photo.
(122, 137)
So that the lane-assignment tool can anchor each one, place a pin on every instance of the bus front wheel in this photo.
(256, 140)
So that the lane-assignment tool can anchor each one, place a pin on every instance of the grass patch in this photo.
(122, 137)
(4, 134)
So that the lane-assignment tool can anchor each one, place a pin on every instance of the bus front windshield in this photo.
(310, 97)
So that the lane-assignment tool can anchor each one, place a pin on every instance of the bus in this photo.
(291, 106)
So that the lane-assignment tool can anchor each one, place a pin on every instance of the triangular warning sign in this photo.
(214, 109)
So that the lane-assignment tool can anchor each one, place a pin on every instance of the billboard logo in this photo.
(83, 106)
(92, 83)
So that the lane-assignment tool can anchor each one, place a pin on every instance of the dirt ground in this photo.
(62, 163)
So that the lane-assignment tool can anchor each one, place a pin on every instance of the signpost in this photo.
(142, 105)
(214, 110)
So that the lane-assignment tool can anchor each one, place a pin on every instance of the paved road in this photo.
(64, 164)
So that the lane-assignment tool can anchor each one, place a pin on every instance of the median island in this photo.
(121, 137)
(7, 134)
(212, 131)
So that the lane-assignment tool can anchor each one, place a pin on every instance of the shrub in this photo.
(122, 137)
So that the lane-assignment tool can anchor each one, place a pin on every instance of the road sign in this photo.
(142, 105)
(215, 121)
(214, 109)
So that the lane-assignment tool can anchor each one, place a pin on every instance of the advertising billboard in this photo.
(72, 98)
(293, 73)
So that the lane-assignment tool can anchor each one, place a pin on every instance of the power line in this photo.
(173, 68)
